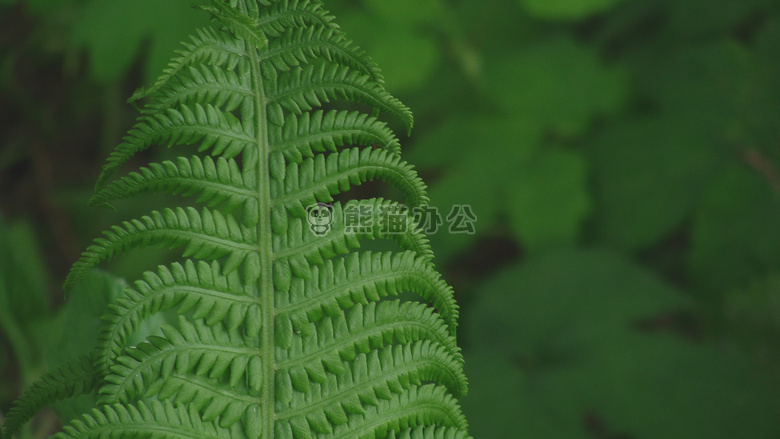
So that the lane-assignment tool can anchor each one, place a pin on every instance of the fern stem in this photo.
(265, 245)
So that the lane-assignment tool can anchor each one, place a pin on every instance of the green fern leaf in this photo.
(214, 182)
(152, 420)
(72, 379)
(285, 330)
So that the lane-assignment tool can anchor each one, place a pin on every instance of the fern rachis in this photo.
(282, 333)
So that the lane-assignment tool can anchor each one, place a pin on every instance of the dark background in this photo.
(620, 157)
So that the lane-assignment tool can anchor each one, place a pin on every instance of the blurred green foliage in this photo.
(621, 158)
(25, 316)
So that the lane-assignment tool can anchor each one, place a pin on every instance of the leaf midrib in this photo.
(265, 248)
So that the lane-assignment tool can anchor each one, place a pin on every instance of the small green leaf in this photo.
(548, 200)
(649, 175)
(735, 239)
(558, 82)
(255, 374)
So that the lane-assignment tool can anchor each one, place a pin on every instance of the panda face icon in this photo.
(320, 217)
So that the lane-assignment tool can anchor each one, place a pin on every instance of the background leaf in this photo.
(649, 176)
(734, 239)
(548, 199)
(24, 303)
(555, 82)
(565, 347)
(113, 32)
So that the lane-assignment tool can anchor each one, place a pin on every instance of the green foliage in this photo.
(602, 328)
(396, 34)
(24, 318)
(620, 157)
(78, 328)
(281, 332)
(753, 313)
(566, 9)
(556, 83)
(647, 191)
(113, 32)
(648, 131)
(734, 231)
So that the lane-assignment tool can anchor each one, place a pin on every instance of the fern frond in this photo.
(429, 432)
(369, 277)
(207, 47)
(241, 25)
(317, 131)
(70, 380)
(197, 287)
(285, 329)
(205, 350)
(425, 405)
(302, 89)
(302, 44)
(216, 130)
(392, 369)
(320, 178)
(294, 239)
(207, 234)
(282, 15)
(205, 84)
(151, 420)
(214, 182)
(364, 327)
